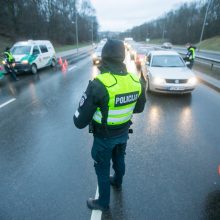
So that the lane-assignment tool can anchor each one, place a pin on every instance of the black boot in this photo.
(114, 184)
(94, 204)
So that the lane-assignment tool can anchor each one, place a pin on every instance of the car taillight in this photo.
(140, 58)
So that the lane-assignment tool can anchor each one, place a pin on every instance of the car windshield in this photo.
(143, 50)
(99, 49)
(167, 61)
(20, 50)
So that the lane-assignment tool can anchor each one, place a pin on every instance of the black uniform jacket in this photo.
(95, 96)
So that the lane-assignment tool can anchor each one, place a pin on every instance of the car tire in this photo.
(138, 66)
(147, 89)
(33, 69)
(53, 63)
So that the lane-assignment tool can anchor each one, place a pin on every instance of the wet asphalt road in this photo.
(46, 171)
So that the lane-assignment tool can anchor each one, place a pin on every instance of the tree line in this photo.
(181, 25)
(48, 19)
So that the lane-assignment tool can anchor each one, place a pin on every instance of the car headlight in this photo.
(158, 81)
(3, 62)
(94, 56)
(24, 62)
(192, 81)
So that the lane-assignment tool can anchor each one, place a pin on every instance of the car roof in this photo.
(99, 48)
(163, 52)
(32, 42)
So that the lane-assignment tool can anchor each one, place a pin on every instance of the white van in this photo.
(32, 55)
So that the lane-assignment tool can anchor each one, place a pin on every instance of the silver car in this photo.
(166, 72)
(96, 56)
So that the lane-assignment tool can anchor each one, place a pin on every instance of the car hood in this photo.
(19, 57)
(98, 54)
(171, 72)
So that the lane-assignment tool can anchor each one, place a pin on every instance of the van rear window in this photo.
(43, 49)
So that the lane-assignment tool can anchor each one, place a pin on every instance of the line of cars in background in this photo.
(96, 56)
(163, 69)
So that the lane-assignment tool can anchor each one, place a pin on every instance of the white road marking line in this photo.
(6, 103)
(96, 214)
(71, 68)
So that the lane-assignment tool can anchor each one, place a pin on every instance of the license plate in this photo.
(176, 88)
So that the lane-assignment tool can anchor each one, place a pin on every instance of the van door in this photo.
(45, 55)
(37, 57)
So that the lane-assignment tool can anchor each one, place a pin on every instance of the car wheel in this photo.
(138, 66)
(53, 63)
(34, 69)
(147, 86)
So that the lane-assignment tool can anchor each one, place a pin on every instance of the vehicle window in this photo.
(167, 61)
(149, 58)
(99, 49)
(43, 49)
(36, 50)
(20, 50)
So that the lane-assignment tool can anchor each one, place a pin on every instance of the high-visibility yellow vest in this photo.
(123, 91)
(9, 55)
(192, 57)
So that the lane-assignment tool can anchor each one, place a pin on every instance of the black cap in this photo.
(113, 50)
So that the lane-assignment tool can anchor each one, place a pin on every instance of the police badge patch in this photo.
(82, 100)
(125, 99)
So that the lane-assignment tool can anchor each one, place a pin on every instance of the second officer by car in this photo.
(191, 54)
(108, 104)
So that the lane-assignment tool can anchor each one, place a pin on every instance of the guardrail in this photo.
(202, 59)
(206, 60)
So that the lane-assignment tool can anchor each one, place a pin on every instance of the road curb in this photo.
(208, 80)
(209, 84)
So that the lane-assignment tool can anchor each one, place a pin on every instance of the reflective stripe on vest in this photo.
(192, 57)
(123, 94)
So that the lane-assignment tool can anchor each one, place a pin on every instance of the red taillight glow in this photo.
(140, 58)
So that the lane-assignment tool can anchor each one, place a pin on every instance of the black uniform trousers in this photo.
(103, 150)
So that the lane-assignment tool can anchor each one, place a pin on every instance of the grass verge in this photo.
(60, 48)
(210, 44)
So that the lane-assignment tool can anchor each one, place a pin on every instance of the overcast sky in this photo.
(120, 15)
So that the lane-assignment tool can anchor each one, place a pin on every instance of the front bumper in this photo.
(172, 88)
(22, 67)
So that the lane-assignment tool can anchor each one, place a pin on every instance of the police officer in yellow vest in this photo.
(107, 105)
(9, 62)
(191, 54)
